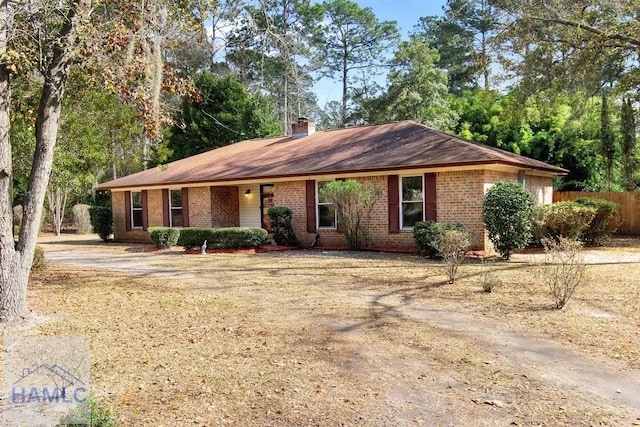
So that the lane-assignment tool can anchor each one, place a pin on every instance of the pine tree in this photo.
(607, 140)
(628, 148)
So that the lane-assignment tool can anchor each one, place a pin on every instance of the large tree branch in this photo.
(580, 25)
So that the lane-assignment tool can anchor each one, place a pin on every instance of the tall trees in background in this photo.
(269, 51)
(628, 129)
(607, 140)
(226, 113)
(572, 45)
(417, 89)
(351, 39)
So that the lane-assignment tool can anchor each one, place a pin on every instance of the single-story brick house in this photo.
(422, 174)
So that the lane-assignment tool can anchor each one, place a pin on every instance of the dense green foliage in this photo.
(605, 222)
(283, 234)
(223, 237)
(563, 219)
(101, 221)
(353, 202)
(228, 113)
(628, 147)
(95, 410)
(507, 212)
(426, 233)
(164, 237)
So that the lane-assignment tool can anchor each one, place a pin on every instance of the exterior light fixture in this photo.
(247, 193)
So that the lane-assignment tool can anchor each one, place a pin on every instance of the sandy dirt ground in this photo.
(340, 338)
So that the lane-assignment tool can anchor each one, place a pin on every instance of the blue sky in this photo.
(405, 12)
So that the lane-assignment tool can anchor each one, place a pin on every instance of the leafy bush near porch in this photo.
(101, 221)
(507, 212)
(354, 202)
(426, 233)
(283, 234)
(605, 222)
(562, 219)
(222, 237)
(164, 237)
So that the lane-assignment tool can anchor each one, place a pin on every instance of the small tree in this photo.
(563, 269)
(452, 246)
(507, 212)
(353, 202)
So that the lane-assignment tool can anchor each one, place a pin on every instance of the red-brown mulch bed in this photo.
(267, 248)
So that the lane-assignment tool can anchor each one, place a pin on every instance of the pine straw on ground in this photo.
(276, 339)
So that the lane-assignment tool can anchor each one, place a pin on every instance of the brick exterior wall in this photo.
(154, 208)
(199, 207)
(224, 206)
(459, 199)
(541, 188)
(120, 232)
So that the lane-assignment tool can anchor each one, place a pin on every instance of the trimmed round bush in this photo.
(507, 212)
(222, 237)
(427, 233)
(101, 221)
(562, 219)
(164, 237)
(605, 222)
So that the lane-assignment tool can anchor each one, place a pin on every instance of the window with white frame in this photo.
(175, 208)
(136, 209)
(412, 201)
(326, 211)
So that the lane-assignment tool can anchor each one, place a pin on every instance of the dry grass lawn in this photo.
(296, 338)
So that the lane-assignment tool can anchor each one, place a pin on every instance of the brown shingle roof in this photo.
(401, 145)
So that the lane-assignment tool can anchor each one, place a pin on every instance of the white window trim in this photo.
(172, 207)
(318, 204)
(401, 201)
(133, 226)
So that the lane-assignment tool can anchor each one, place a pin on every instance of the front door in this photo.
(266, 202)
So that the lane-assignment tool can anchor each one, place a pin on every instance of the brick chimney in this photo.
(303, 127)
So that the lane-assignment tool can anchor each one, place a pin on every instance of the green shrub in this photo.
(91, 412)
(507, 212)
(81, 219)
(425, 234)
(562, 219)
(101, 221)
(605, 222)
(354, 203)
(283, 234)
(164, 237)
(223, 237)
(39, 261)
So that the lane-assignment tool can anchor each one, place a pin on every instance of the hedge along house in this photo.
(422, 174)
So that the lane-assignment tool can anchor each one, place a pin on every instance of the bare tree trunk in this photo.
(12, 274)
(16, 260)
(57, 201)
(345, 83)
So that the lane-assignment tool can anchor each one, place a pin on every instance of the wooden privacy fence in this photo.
(629, 206)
